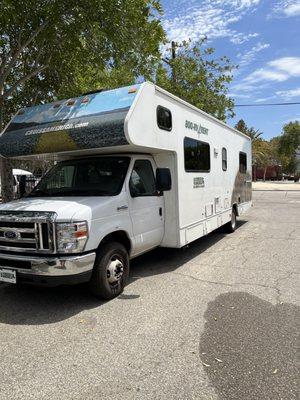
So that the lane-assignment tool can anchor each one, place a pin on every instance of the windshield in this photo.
(101, 176)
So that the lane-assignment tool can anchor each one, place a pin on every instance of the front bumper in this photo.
(50, 271)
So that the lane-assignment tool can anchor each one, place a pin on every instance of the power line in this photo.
(266, 104)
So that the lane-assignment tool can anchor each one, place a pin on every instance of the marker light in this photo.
(71, 102)
(132, 90)
(85, 100)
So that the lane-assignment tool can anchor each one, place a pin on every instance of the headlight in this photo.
(71, 237)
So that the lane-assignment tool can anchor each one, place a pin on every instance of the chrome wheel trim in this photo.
(114, 271)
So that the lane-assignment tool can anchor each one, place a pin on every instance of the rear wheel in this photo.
(231, 225)
(111, 271)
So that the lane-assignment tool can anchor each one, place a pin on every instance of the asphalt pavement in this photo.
(217, 320)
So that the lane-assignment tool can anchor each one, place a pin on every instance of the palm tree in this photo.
(254, 134)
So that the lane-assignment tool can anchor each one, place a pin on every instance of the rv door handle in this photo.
(122, 208)
(248, 181)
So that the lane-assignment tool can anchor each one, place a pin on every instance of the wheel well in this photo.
(118, 236)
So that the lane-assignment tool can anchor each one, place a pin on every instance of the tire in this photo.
(111, 271)
(230, 227)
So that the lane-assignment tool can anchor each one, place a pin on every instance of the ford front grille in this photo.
(31, 232)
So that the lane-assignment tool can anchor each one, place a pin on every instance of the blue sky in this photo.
(262, 37)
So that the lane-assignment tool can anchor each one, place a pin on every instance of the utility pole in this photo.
(173, 56)
(174, 45)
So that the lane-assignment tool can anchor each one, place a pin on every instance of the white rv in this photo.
(137, 168)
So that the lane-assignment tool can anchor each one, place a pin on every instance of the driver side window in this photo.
(142, 181)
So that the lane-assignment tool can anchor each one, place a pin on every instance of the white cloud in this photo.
(263, 99)
(249, 56)
(211, 18)
(278, 70)
(241, 38)
(264, 74)
(287, 8)
(292, 10)
(289, 94)
(290, 65)
(239, 96)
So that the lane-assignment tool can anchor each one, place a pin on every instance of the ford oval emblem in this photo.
(12, 235)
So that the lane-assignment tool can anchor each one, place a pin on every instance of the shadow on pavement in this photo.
(249, 348)
(29, 305)
(163, 260)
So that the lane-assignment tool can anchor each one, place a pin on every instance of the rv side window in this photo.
(142, 181)
(164, 118)
(224, 159)
(243, 163)
(196, 155)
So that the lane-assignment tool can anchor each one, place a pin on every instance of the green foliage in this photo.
(197, 77)
(57, 48)
(290, 139)
(253, 133)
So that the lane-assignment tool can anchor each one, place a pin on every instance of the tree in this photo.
(263, 155)
(253, 133)
(260, 152)
(288, 144)
(55, 48)
(194, 75)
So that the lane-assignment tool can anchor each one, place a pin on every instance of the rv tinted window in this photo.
(196, 156)
(142, 181)
(243, 162)
(224, 159)
(164, 118)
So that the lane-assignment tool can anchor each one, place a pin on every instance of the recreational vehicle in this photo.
(136, 168)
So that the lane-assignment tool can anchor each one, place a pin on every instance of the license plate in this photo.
(8, 275)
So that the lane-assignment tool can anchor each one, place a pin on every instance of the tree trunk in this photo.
(265, 171)
(6, 176)
(6, 179)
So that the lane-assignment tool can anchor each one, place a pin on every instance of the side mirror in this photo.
(163, 179)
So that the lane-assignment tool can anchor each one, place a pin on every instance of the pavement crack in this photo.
(277, 283)
(276, 289)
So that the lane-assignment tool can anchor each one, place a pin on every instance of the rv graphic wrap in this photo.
(88, 122)
(94, 131)
(242, 188)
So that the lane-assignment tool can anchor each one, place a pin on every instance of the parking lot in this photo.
(217, 320)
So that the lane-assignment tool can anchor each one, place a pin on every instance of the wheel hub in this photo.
(115, 271)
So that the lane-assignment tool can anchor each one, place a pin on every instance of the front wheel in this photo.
(111, 271)
(231, 225)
